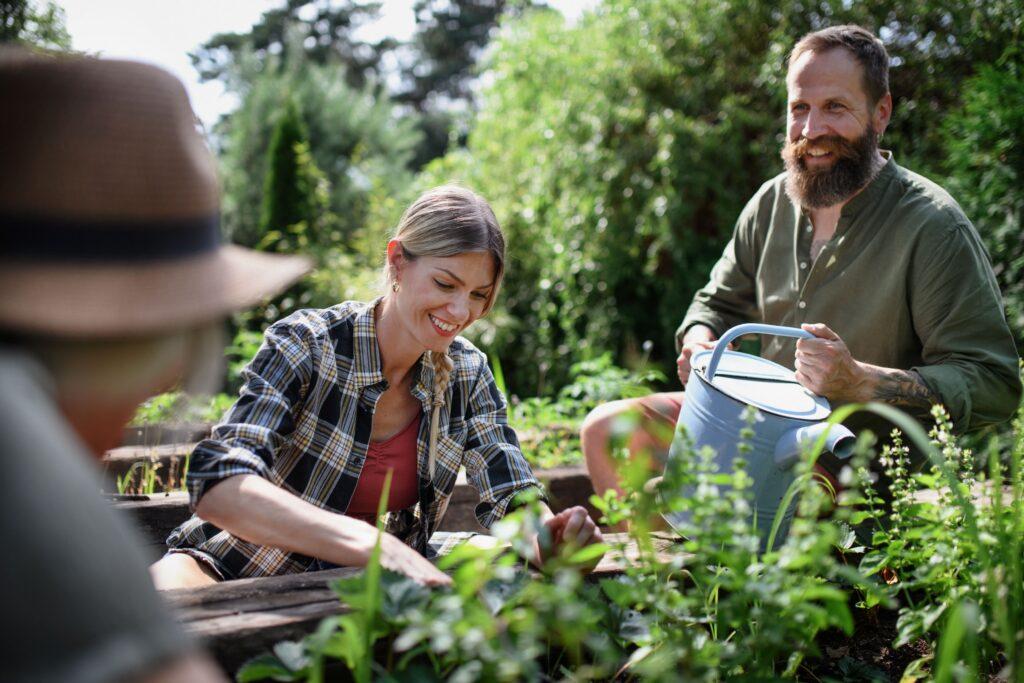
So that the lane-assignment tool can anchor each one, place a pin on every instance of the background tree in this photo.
(986, 169)
(356, 136)
(295, 196)
(438, 78)
(27, 23)
(619, 152)
(327, 33)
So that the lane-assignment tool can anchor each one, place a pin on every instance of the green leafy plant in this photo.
(142, 479)
(725, 610)
(721, 605)
(952, 547)
(549, 428)
(177, 407)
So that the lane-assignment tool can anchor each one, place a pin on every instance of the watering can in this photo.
(789, 420)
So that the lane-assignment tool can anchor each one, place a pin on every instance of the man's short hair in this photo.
(865, 47)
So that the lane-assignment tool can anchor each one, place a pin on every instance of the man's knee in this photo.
(607, 420)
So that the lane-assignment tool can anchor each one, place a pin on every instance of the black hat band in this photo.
(25, 238)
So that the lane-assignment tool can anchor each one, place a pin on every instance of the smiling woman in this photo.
(337, 398)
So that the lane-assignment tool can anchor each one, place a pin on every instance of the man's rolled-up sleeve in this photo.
(256, 426)
(969, 357)
(495, 465)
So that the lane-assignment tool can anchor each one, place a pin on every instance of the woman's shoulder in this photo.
(317, 323)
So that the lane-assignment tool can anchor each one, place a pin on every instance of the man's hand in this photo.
(570, 528)
(399, 557)
(825, 366)
(696, 338)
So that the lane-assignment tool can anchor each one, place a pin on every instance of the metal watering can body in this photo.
(789, 419)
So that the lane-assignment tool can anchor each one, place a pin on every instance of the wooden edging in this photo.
(169, 458)
(237, 620)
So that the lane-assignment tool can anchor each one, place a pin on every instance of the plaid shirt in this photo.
(303, 421)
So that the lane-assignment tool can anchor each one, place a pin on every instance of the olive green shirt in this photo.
(905, 281)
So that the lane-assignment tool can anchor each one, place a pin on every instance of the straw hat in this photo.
(109, 211)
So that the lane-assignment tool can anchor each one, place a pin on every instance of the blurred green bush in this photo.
(618, 153)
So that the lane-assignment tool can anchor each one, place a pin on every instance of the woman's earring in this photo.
(394, 286)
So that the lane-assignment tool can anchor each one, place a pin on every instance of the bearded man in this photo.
(879, 263)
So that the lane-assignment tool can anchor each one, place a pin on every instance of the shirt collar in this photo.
(366, 364)
(367, 367)
(874, 190)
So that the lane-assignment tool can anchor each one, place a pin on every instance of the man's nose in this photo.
(814, 125)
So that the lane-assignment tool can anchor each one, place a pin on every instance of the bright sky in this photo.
(163, 32)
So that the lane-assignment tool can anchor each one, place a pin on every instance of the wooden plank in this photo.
(165, 433)
(156, 516)
(169, 460)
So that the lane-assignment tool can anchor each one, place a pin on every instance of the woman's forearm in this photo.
(257, 511)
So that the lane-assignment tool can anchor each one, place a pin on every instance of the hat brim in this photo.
(140, 298)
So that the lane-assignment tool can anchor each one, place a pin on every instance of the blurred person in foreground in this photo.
(877, 262)
(113, 287)
(336, 398)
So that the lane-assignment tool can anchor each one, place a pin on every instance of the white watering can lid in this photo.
(761, 383)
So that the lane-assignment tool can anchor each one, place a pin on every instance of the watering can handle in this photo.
(750, 328)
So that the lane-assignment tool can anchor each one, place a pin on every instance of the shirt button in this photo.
(809, 229)
(802, 305)
(803, 265)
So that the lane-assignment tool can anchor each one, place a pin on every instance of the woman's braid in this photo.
(443, 366)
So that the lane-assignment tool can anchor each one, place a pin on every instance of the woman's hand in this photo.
(399, 557)
(571, 528)
(259, 512)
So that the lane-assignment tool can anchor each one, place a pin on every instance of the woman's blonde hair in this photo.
(449, 221)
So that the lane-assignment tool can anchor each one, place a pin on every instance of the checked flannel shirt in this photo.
(303, 422)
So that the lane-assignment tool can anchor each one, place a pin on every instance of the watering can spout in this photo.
(838, 440)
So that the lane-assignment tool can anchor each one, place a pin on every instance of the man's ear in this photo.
(882, 113)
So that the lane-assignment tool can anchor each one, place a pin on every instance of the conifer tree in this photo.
(290, 208)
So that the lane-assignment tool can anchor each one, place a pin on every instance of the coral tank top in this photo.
(399, 454)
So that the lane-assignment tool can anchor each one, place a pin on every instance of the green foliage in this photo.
(327, 30)
(718, 607)
(986, 169)
(29, 24)
(618, 153)
(178, 407)
(589, 148)
(952, 547)
(356, 138)
(295, 213)
(549, 429)
(358, 147)
(141, 479)
(719, 611)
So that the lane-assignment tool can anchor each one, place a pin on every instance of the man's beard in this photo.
(853, 168)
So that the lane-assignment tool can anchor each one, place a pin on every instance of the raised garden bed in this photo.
(137, 462)
(165, 433)
(237, 620)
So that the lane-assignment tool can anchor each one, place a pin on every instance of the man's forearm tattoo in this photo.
(905, 388)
